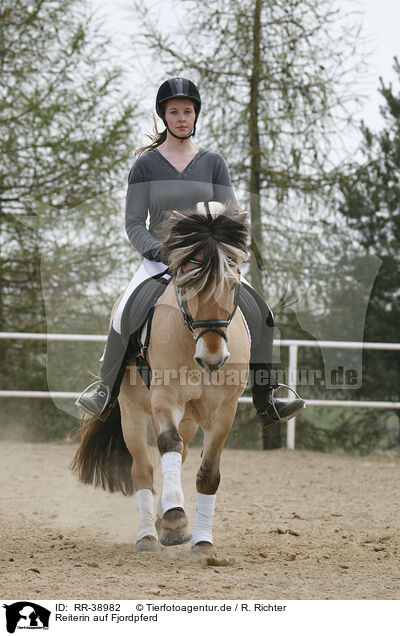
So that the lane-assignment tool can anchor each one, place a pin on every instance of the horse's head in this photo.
(204, 249)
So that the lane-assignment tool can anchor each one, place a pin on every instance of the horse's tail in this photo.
(102, 458)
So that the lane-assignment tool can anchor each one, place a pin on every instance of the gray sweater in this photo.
(155, 185)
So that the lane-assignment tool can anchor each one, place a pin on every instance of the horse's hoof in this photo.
(174, 529)
(148, 544)
(202, 549)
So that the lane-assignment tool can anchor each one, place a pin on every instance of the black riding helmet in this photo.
(178, 87)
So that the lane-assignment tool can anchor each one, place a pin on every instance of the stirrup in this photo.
(280, 386)
(107, 402)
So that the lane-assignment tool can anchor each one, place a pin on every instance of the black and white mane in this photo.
(214, 242)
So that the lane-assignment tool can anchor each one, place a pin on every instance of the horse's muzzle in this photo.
(213, 366)
(210, 360)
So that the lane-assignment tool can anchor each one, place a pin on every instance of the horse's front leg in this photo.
(134, 423)
(173, 526)
(207, 481)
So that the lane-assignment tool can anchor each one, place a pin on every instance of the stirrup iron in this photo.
(107, 401)
(280, 386)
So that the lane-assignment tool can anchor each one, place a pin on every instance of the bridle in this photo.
(212, 325)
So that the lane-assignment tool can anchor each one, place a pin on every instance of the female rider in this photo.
(174, 173)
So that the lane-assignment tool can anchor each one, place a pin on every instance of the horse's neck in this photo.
(169, 296)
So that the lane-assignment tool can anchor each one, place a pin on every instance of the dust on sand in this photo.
(288, 525)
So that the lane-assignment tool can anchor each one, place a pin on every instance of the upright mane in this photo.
(218, 240)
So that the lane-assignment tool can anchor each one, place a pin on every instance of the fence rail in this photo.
(293, 354)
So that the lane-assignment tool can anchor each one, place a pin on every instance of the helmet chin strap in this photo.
(182, 139)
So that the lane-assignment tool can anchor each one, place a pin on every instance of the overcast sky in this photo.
(381, 25)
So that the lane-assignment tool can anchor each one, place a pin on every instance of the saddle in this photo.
(137, 318)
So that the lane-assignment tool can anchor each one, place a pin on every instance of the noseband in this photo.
(209, 325)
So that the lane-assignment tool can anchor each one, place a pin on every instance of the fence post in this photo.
(291, 425)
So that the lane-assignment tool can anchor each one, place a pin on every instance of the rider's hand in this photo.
(155, 255)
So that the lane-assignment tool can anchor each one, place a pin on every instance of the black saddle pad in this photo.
(143, 300)
(250, 304)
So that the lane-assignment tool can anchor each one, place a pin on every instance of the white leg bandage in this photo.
(172, 494)
(205, 508)
(145, 506)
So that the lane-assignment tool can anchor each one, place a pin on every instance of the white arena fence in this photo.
(292, 369)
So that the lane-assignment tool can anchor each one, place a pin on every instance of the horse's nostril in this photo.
(199, 361)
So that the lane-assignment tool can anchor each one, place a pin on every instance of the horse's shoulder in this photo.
(167, 297)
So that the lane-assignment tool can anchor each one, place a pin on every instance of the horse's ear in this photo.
(242, 217)
(230, 207)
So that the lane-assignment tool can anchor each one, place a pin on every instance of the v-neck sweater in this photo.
(155, 185)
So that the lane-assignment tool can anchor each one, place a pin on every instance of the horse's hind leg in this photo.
(207, 482)
(134, 427)
(174, 522)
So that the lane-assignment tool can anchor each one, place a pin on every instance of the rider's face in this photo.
(180, 116)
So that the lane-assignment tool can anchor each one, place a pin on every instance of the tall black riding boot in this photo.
(260, 322)
(95, 402)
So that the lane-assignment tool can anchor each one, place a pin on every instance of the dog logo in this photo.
(26, 615)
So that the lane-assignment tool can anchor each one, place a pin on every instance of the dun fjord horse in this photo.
(196, 333)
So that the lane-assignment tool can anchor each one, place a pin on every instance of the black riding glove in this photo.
(155, 255)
